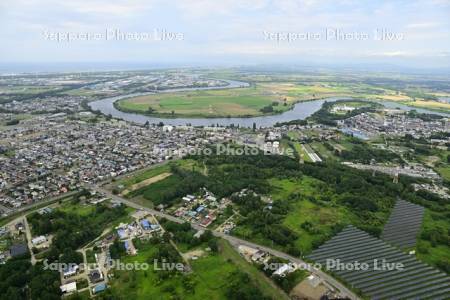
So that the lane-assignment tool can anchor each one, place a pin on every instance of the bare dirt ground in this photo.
(304, 290)
(191, 254)
(146, 182)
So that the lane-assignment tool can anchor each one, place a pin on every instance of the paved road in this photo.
(30, 244)
(237, 241)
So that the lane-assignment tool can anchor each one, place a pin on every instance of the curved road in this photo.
(237, 241)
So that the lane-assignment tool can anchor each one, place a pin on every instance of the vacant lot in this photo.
(146, 182)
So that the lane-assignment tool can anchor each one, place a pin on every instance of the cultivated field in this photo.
(226, 102)
(433, 105)
(146, 182)
(234, 102)
(281, 95)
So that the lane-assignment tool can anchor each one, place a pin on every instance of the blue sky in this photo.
(229, 31)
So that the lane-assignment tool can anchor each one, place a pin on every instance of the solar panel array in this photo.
(403, 225)
(415, 280)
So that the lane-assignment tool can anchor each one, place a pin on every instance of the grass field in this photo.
(147, 182)
(213, 103)
(444, 171)
(148, 187)
(85, 295)
(141, 176)
(263, 283)
(90, 257)
(301, 151)
(322, 216)
(233, 102)
(322, 151)
(208, 280)
(79, 209)
(154, 194)
(249, 101)
(432, 254)
(294, 92)
(303, 210)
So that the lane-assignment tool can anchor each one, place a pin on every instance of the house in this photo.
(20, 226)
(3, 231)
(206, 221)
(211, 198)
(97, 201)
(122, 233)
(39, 240)
(70, 271)
(154, 227)
(258, 256)
(116, 204)
(245, 250)
(68, 288)
(145, 224)
(200, 209)
(18, 250)
(283, 270)
(186, 199)
(95, 276)
(99, 288)
(45, 210)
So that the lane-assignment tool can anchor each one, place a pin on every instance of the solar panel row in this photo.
(403, 225)
(385, 273)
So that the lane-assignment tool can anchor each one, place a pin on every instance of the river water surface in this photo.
(301, 110)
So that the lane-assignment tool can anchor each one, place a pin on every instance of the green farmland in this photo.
(227, 102)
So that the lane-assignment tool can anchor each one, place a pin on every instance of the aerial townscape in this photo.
(260, 201)
(234, 150)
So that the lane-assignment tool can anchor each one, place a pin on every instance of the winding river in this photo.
(300, 110)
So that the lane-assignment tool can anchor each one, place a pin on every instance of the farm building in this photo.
(68, 288)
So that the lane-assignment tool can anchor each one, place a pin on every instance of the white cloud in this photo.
(123, 8)
(99, 8)
(226, 27)
(206, 8)
(423, 25)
